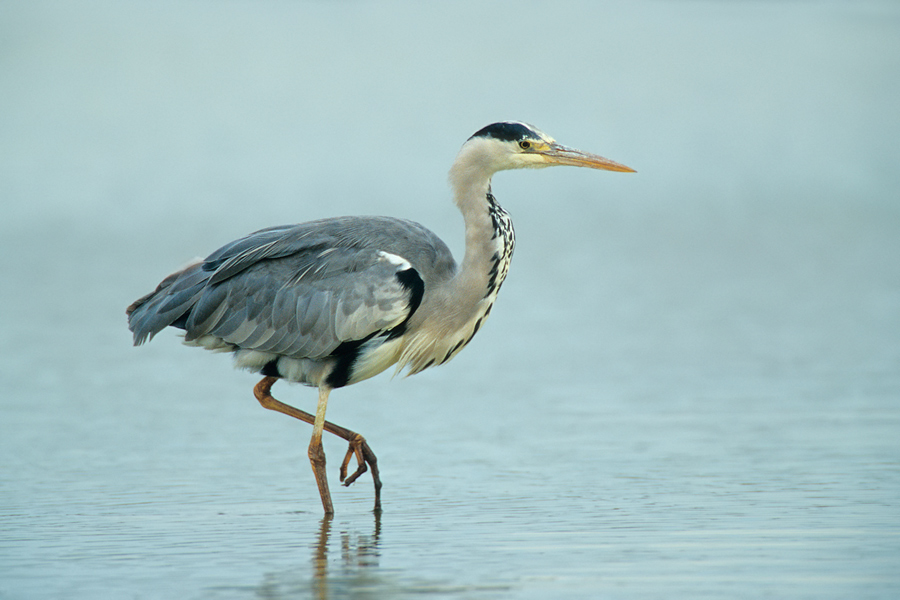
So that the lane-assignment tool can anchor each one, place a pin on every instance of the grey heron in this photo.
(332, 302)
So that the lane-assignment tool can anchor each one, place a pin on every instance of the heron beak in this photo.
(561, 155)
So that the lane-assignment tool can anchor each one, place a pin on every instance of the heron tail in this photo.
(169, 304)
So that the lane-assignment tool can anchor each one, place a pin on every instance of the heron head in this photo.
(514, 145)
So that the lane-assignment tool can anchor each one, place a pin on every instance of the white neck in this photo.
(471, 182)
(461, 306)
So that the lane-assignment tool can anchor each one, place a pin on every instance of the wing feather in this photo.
(302, 290)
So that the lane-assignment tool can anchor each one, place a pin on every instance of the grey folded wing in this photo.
(297, 291)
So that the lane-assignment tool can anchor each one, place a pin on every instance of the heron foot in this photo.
(365, 458)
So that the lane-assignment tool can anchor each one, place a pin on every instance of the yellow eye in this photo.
(524, 144)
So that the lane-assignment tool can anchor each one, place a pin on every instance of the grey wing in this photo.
(422, 248)
(297, 291)
(305, 306)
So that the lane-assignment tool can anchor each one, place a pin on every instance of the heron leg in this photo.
(317, 452)
(358, 446)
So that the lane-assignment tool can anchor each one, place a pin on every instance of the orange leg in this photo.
(358, 446)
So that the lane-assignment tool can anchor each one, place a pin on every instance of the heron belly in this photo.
(309, 371)
(374, 357)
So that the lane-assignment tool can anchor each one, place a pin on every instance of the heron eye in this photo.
(524, 144)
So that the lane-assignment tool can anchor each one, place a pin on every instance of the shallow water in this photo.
(689, 387)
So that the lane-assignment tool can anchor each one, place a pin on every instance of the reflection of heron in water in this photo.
(359, 553)
(333, 575)
(333, 302)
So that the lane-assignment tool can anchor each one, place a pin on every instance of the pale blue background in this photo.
(689, 387)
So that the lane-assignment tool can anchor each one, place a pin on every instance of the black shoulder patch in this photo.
(412, 281)
(508, 132)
